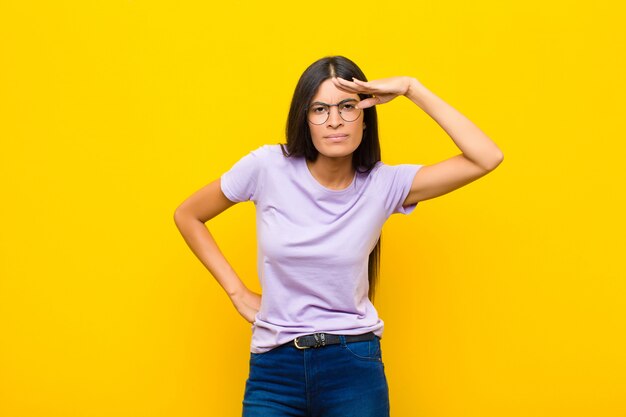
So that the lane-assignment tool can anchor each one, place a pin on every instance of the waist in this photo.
(318, 340)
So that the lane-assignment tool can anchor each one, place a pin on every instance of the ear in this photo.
(364, 126)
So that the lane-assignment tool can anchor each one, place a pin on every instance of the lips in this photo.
(338, 137)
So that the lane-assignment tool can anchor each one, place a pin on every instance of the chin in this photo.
(336, 151)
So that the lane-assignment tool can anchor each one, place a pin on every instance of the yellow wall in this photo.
(504, 298)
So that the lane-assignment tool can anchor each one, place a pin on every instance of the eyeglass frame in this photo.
(333, 105)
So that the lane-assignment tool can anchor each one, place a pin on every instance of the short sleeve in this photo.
(395, 182)
(240, 182)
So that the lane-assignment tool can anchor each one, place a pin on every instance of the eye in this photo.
(348, 106)
(318, 109)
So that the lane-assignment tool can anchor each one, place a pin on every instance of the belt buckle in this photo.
(320, 340)
(295, 342)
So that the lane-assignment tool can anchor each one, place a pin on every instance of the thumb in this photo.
(368, 102)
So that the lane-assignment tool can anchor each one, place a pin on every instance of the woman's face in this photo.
(336, 138)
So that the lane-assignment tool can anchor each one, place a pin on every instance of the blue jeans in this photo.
(340, 380)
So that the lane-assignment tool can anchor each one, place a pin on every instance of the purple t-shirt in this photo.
(314, 243)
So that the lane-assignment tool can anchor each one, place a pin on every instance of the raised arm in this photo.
(480, 155)
(190, 218)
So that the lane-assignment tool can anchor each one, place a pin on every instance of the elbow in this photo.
(184, 216)
(492, 163)
(176, 217)
(179, 215)
(498, 160)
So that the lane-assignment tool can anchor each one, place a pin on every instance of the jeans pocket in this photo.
(256, 357)
(367, 350)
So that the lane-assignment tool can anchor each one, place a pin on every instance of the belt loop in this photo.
(342, 338)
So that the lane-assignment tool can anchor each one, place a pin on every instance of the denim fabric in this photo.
(340, 380)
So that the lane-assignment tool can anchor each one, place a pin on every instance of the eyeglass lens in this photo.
(318, 113)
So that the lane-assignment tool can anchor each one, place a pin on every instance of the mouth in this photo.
(337, 137)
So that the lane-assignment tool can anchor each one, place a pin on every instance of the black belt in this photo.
(316, 340)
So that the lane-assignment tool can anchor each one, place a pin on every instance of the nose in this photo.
(334, 118)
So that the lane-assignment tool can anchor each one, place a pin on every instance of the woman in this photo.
(321, 202)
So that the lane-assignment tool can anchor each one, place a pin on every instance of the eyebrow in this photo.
(341, 102)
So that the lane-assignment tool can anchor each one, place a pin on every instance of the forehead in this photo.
(328, 93)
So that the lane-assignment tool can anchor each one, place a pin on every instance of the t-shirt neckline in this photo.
(326, 189)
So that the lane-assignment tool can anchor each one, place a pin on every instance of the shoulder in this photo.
(385, 174)
(272, 148)
(264, 155)
(269, 151)
(382, 170)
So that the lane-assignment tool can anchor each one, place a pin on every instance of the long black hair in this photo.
(300, 143)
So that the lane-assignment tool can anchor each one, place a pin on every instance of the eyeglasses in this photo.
(319, 112)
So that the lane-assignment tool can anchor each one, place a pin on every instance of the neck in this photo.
(333, 173)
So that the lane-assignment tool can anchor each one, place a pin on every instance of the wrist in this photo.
(414, 88)
(416, 92)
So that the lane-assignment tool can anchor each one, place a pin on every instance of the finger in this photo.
(346, 85)
(343, 81)
(368, 102)
(356, 87)
(343, 87)
(360, 82)
(366, 86)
